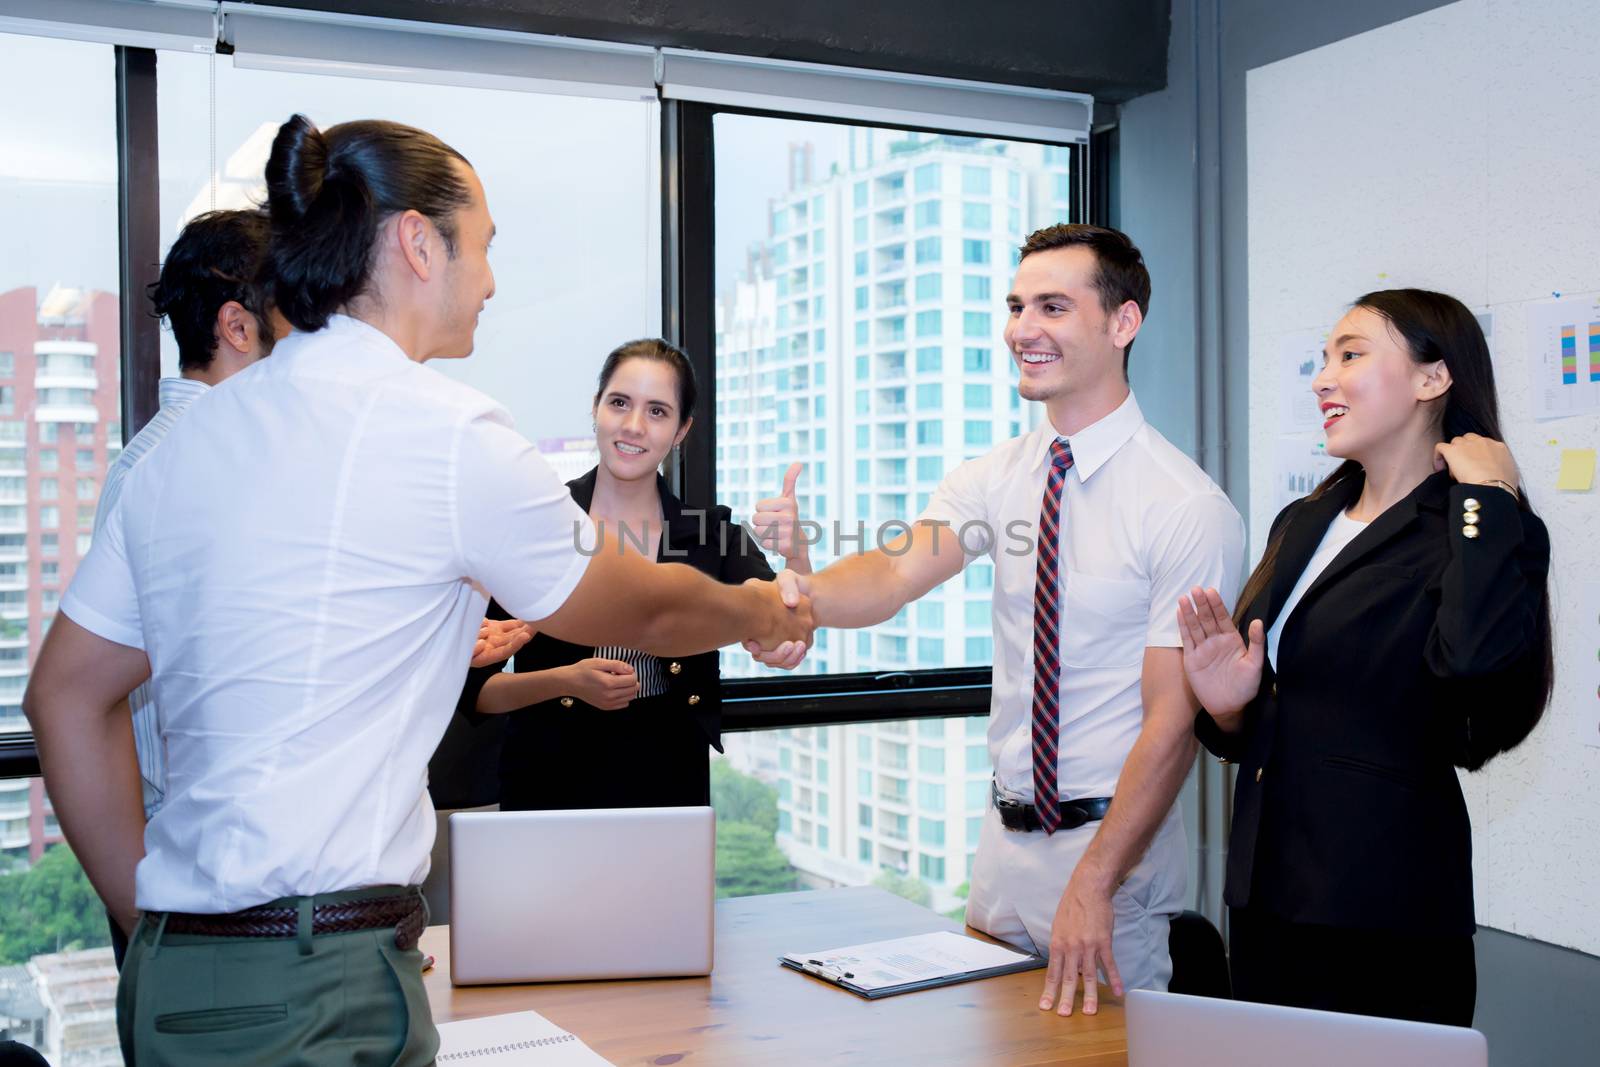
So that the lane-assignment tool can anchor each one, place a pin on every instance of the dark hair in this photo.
(657, 349)
(216, 259)
(328, 191)
(1120, 276)
(1436, 327)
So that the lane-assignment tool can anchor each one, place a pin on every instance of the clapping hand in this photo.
(499, 640)
(1222, 669)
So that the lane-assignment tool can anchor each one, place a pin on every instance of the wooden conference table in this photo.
(751, 1012)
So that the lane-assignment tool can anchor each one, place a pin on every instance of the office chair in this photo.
(1199, 958)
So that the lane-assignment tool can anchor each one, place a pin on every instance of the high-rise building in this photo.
(865, 341)
(60, 428)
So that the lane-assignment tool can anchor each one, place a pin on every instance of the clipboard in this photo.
(908, 964)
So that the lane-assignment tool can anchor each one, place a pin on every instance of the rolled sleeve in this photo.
(520, 533)
(102, 597)
(1200, 544)
(961, 503)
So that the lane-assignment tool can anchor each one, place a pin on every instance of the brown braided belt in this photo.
(405, 913)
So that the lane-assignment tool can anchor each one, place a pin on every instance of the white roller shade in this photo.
(321, 43)
(186, 25)
(977, 108)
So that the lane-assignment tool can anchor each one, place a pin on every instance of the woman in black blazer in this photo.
(1397, 627)
(613, 727)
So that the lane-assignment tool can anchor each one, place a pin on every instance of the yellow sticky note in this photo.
(1577, 470)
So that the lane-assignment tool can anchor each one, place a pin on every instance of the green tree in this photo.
(903, 885)
(749, 862)
(959, 912)
(741, 798)
(49, 908)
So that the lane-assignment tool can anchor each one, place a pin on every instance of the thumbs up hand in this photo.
(777, 524)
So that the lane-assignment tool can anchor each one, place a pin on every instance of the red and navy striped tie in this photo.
(1047, 643)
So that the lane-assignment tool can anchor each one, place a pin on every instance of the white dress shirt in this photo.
(176, 395)
(1141, 524)
(304, 561)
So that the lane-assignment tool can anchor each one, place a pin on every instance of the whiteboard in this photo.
(1458, 150)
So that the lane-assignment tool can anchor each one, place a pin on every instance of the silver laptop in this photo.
(551, 896)
(1166, 1030)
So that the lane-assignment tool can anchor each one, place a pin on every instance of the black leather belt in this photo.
(1022, 817)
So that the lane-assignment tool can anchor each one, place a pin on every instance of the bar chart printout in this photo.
(1564, 356)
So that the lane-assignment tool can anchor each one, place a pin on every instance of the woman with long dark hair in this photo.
(1396, 628)
(649, 720)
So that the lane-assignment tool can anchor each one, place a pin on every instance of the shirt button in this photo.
(1469, 532)
(566, 702)
(694, 698)
(1258, 773)
(1471, 503)
(674, 668)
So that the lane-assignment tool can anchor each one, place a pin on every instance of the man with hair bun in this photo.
(334, 519)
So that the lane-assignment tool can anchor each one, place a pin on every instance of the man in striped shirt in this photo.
(220, 317)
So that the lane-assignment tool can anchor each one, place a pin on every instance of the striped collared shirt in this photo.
(176, 395)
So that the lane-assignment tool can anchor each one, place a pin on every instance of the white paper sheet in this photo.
(1300, 463)
(1299, 360)
(1564, 356)
(520, 1039)
(881, 964)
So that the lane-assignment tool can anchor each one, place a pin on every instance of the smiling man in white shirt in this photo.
(1096, 525)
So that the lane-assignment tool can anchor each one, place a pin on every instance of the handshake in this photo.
(792, 623)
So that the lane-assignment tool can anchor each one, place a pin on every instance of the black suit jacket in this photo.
(465, 771)
(1347, 808)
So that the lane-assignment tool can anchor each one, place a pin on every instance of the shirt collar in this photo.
(1096, 443)
(364, 334)
(170, 391)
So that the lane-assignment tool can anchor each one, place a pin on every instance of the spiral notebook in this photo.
(521, 1039)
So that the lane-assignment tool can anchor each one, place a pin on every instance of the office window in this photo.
(49, 459)
(930, 614)
(50, 517)
(930, 796)
(979, 433)
(975, 360)
(975, 288)
(1062, 184)
(979, 577)
(977, 397)
(977, 795)
(976, 217)
(980, 649)
(930, 832)
(861, 230)
(49, 489)
(85, 458)
(86, 489)
(8, 364)
(974, 252)
(895, 274)
(49, 544)
(977, 324)
(930, 759)
(1014, 180)
(977, 759)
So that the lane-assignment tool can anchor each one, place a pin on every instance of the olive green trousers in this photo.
(346, 999)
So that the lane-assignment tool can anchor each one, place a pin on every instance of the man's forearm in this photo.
(1148, 785)
(859, 590)
(91, 768)
(682, 612)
